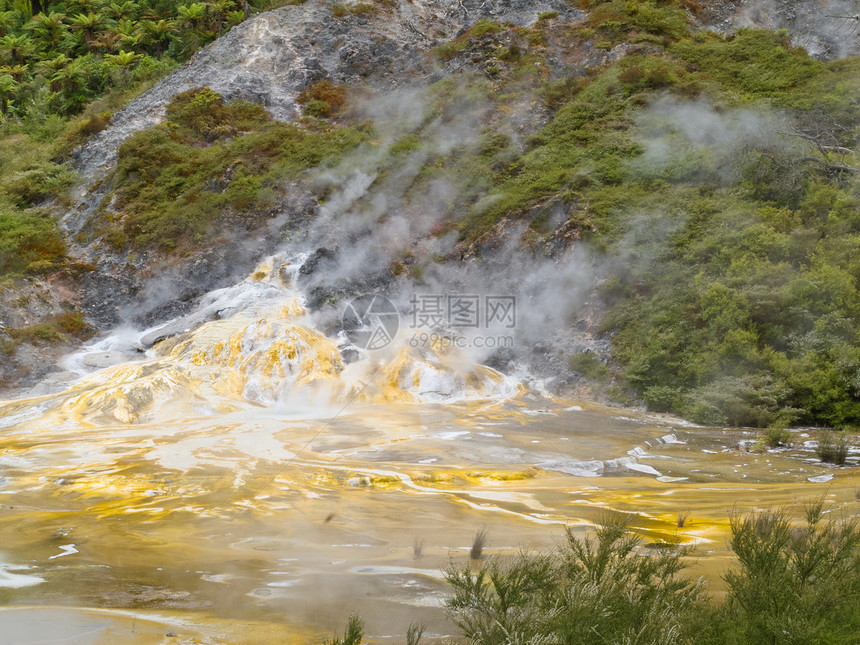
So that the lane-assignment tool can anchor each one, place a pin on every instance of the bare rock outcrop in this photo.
(827, 29)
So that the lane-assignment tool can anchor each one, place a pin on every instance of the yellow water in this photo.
(241, 484)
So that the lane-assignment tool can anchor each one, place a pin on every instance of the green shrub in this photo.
(449, 49)
(174, 181)
(589, 365)
(617, 18)
(55, 329)
(201, 114)
(832, 446)
(775, 436)
(793, 584)
(27, 237)
(323, 99)
(588, 590)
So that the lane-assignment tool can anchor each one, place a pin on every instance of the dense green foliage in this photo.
(210, 160)
(794, 584)
(26, 239)
(59, 58)
(29, 238)
(717, 177)
(68, 52)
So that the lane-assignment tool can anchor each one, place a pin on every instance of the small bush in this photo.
(200, 114)
(832, 446)
(54, 329)
(323, 99)
(587, 591)
(775, 436)
(45, 331)
(587, 364)
(793, 584)
(447, 50)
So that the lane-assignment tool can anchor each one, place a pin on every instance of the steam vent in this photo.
(438, 322)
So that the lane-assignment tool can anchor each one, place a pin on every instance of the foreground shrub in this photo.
(794, 584)
(791, 585)
(590, 590)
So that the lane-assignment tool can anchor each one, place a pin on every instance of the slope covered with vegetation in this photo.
(64, 67)
(715, 178)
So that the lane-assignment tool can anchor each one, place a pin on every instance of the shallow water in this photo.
(240, 483)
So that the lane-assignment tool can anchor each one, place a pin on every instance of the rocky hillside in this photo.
(672, 196)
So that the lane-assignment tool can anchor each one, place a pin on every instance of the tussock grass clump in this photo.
(414, 634)
(352, 634)
(478, 544)
(832, 446)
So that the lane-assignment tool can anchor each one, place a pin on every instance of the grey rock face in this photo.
(272, 57)
(817, 25)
